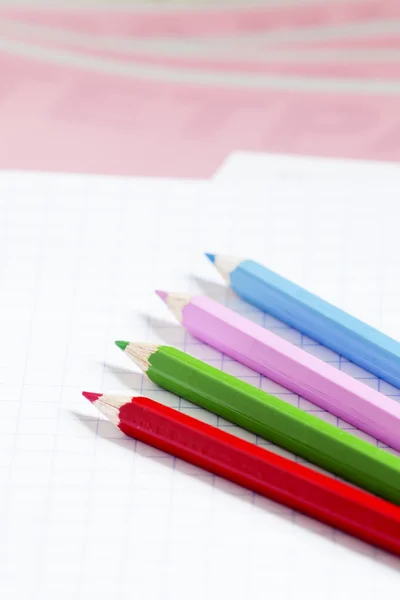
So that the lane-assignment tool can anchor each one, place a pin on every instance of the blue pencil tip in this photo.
(210, 257)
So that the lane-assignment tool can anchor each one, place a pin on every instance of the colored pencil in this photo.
(362, 344)
(288, 365)
(315, 440)
(314, 494)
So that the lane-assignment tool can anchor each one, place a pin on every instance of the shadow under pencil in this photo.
(168, 332)
(251, 499)
(216, 291)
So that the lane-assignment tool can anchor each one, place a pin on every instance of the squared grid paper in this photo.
(86, 512)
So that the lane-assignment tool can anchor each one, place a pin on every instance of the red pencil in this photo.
(338, 504)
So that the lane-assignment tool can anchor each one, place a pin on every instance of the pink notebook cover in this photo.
(346, 67)
(207, 21)
(365, 41)
(65, 118)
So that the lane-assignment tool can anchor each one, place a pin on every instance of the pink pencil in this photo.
(288, 365)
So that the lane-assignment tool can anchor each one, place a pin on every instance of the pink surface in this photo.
(346, 68)
(295, 369)
(368, 42)
(176, 23)
(65, 119)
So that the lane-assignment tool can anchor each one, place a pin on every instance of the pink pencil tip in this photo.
(163, 295)
(91, 396)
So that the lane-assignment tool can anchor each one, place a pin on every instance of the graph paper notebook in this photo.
(86, 512)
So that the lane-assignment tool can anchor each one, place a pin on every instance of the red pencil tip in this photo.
(163, 295)
(91, 396)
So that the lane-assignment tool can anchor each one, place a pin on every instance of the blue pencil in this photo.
(316, 318)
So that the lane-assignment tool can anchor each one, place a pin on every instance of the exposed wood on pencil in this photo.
(138, 352)
(224, 264)
(175, 302)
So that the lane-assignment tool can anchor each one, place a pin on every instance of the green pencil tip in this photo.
(122, 345)
(210, 257)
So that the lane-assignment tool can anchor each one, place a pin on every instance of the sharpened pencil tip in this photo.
(225, 265)
(140, 353)
(122, 345)
(91, 396)
(210, 257)
(162, 295)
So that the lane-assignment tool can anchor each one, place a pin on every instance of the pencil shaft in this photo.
(292, 367)
(313, 316)
(335, 503)
(287, 426)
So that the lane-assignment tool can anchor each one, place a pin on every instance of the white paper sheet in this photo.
(260, 167)
(88, 513)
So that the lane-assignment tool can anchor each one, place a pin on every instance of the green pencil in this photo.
(325, 445)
